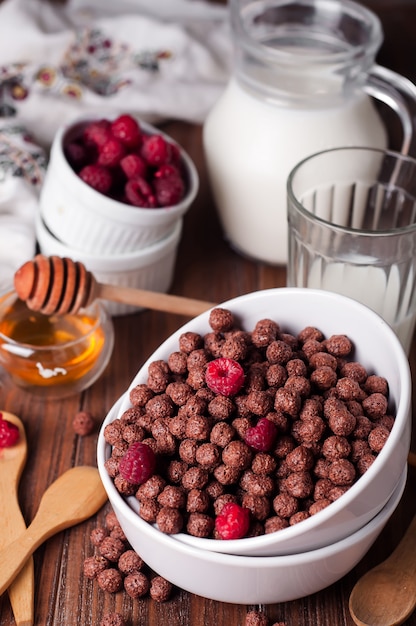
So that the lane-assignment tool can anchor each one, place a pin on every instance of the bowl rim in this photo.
(170, 541)
(236, 546)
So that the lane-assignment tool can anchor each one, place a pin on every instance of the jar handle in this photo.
(390, 88)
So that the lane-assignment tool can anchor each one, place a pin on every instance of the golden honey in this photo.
(52, 351)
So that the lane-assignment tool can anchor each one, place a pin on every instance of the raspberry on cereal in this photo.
(233, 522)
(262, 436)
(138, 463)
(224, 376)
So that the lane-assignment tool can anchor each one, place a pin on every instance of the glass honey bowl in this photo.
(54, 355)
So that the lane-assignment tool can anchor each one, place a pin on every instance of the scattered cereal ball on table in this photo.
(113, 619)
(160, 589)
(83, 423)
(256, 618)
(95, 564)
(136, 584)
(110, 580)
(9, 433)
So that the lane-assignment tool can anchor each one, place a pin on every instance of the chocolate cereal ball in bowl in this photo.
(278, 423)
(115, 185)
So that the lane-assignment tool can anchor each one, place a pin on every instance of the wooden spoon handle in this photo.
(72, 498)
(22, 590)
(155, 301)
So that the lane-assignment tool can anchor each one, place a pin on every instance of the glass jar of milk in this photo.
(304, 80)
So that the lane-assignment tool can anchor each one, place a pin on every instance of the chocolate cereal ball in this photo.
(113, 619)
(256, 618)
(136, 584)
(160, 589)
(110, 580)
(83, 423)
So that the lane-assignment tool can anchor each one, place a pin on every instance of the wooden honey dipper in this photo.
(56, 285)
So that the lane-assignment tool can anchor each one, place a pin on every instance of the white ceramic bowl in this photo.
(379, 350)
(85, 219)
(149, 268)
(241, 579)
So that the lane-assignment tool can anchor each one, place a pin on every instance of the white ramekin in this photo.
(88, 221)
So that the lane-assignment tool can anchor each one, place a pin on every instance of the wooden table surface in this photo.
(208, 269)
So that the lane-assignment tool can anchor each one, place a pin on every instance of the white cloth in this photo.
(165, 59)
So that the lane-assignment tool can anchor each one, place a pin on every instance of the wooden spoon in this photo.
(12, 462)
(72, 498)
(55, 285)
(386, 595)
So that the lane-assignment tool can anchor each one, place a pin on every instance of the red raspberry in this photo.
(262, 436)
(169, 189)
(156, 150)
(110, 153)
(134, 166)
(76, 155)
(97, 177)
(97, 133)
(9, 433)
(233, 522)
(139, 193)
(167, 170)
(224, 376)
(127, 130)
(138, 463)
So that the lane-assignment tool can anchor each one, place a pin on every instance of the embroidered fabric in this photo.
(168, 59)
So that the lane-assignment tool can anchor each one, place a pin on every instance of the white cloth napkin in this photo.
(165, 59)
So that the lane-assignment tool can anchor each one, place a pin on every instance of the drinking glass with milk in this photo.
(304, 80)
(352, 230)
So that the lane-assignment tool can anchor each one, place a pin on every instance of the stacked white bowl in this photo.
(309, 556)
(119, 243)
